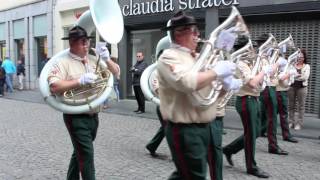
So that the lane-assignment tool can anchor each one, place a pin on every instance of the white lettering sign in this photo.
(135, 7)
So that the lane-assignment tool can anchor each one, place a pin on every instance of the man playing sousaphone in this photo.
(188, 128)
(73, 70)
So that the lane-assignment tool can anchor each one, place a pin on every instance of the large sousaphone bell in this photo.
(106, 16)
(148, 75)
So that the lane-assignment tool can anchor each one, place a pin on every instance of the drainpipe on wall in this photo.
(28, 53)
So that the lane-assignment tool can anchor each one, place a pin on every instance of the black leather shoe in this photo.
(259, 173)
(229, 158)
(137, 110)
(291, 139)
(140, 112)
(152, 152)
(278, 151)
(264, 135)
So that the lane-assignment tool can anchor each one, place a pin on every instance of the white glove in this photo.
(104, 53)
(293, 72)
(87, 78)
(267, 70)
(224, 69)
(282, 62)
(230, 83)
(226, 39)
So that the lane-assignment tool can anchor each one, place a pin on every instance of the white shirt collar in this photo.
(182, 48)
(75, 57)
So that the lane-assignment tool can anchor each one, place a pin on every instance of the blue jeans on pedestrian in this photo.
(116, 89)
(9, 78)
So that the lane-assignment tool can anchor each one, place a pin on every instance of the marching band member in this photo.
(217, 131)
(154, 143)
(71, 71)
(268, 102)
(188, 127)
(282, 100)
(247, 105)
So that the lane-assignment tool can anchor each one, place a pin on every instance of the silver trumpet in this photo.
(210, 54)
(246, 53)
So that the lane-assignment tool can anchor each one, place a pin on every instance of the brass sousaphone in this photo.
(148, 75)
(106, 16)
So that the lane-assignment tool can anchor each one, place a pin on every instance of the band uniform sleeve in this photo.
(57, 73)
(177, 74)
(244, 72)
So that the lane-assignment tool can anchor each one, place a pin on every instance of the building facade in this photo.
(26, 34)
(144, 20)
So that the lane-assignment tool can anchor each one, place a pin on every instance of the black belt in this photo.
(84, 114)
(201, 125)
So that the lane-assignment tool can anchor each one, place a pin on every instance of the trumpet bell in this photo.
(147, 78)
(107, 17)
(149, 74)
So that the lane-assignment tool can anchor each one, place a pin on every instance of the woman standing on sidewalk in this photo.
(20, 73)
(298, 91)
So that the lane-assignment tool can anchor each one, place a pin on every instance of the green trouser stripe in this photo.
(82, 130)
(269, 110)
(216, 131)
(248, 109)
(189, 145)
(282, 99)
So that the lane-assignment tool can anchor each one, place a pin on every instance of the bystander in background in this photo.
(20, 73)
(10, 69)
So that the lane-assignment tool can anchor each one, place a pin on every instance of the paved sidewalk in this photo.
(126, 107)
(35, 145)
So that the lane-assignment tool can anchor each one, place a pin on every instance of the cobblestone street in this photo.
(35, 145)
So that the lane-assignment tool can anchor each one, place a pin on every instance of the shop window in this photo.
(146, 42)
(20, 50)
(2, 49)
(42, 52)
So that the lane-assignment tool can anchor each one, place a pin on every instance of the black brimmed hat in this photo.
(262, 38)
(180, 19)
(76, 33)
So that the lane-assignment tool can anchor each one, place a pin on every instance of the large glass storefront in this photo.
(146, 42)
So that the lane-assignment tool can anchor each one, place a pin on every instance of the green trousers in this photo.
(191, 149)
(157, 138)
(282, 99)
(216, 131)
(248, 109)
(82, 129)
(269, 112)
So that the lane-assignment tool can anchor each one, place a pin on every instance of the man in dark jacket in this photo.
(137, 70)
